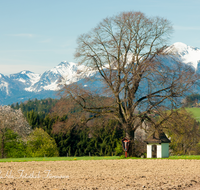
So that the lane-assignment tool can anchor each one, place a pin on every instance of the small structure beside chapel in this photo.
(158, 145)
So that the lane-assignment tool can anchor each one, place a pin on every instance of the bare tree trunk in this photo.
(130, 134)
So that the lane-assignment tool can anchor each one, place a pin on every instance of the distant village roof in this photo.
(157, 137)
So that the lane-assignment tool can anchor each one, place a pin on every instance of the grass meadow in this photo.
(188, 157)
(195, 112)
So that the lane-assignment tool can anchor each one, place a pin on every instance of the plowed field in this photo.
(101, 174)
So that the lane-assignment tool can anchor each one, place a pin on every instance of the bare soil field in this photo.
(101, 174)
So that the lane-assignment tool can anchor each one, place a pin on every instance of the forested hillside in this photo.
(65, 123)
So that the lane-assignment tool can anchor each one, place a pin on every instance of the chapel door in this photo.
(154, 151)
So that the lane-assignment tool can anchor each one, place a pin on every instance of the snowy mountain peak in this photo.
(63, 63)
(50, 79)
(66, 64)
(187, 54)
(64, 69)
(180, 47)
(24, 72)
(26, 77)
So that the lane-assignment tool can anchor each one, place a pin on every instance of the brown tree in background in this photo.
(184, 131)
(127, 51)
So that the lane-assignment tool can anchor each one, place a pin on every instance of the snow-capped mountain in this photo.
(49, 80)
(27, 85)
(187, 54)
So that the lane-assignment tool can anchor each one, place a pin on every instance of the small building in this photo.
(158, 145)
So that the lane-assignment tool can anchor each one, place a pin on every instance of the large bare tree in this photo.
(128, 51)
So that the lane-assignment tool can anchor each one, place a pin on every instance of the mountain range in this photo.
(28, 85)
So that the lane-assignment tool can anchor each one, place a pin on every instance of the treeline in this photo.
(64, 123)
(81, 141)
(41, 107)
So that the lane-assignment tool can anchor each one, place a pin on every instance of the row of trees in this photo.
(102, 136)
(65, 136)
(71, 136)
(101, 141)
(74, 142)
(42, 107)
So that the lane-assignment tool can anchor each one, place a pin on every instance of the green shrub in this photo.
(118, 149)
(14, 147)
(40, 144)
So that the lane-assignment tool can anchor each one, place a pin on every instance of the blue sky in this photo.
(37, 35)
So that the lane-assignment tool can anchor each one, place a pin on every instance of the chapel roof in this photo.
(157, 137)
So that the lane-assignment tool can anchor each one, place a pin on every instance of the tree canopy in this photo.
(127, 51)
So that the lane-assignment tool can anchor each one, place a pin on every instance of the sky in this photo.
(38, 35)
